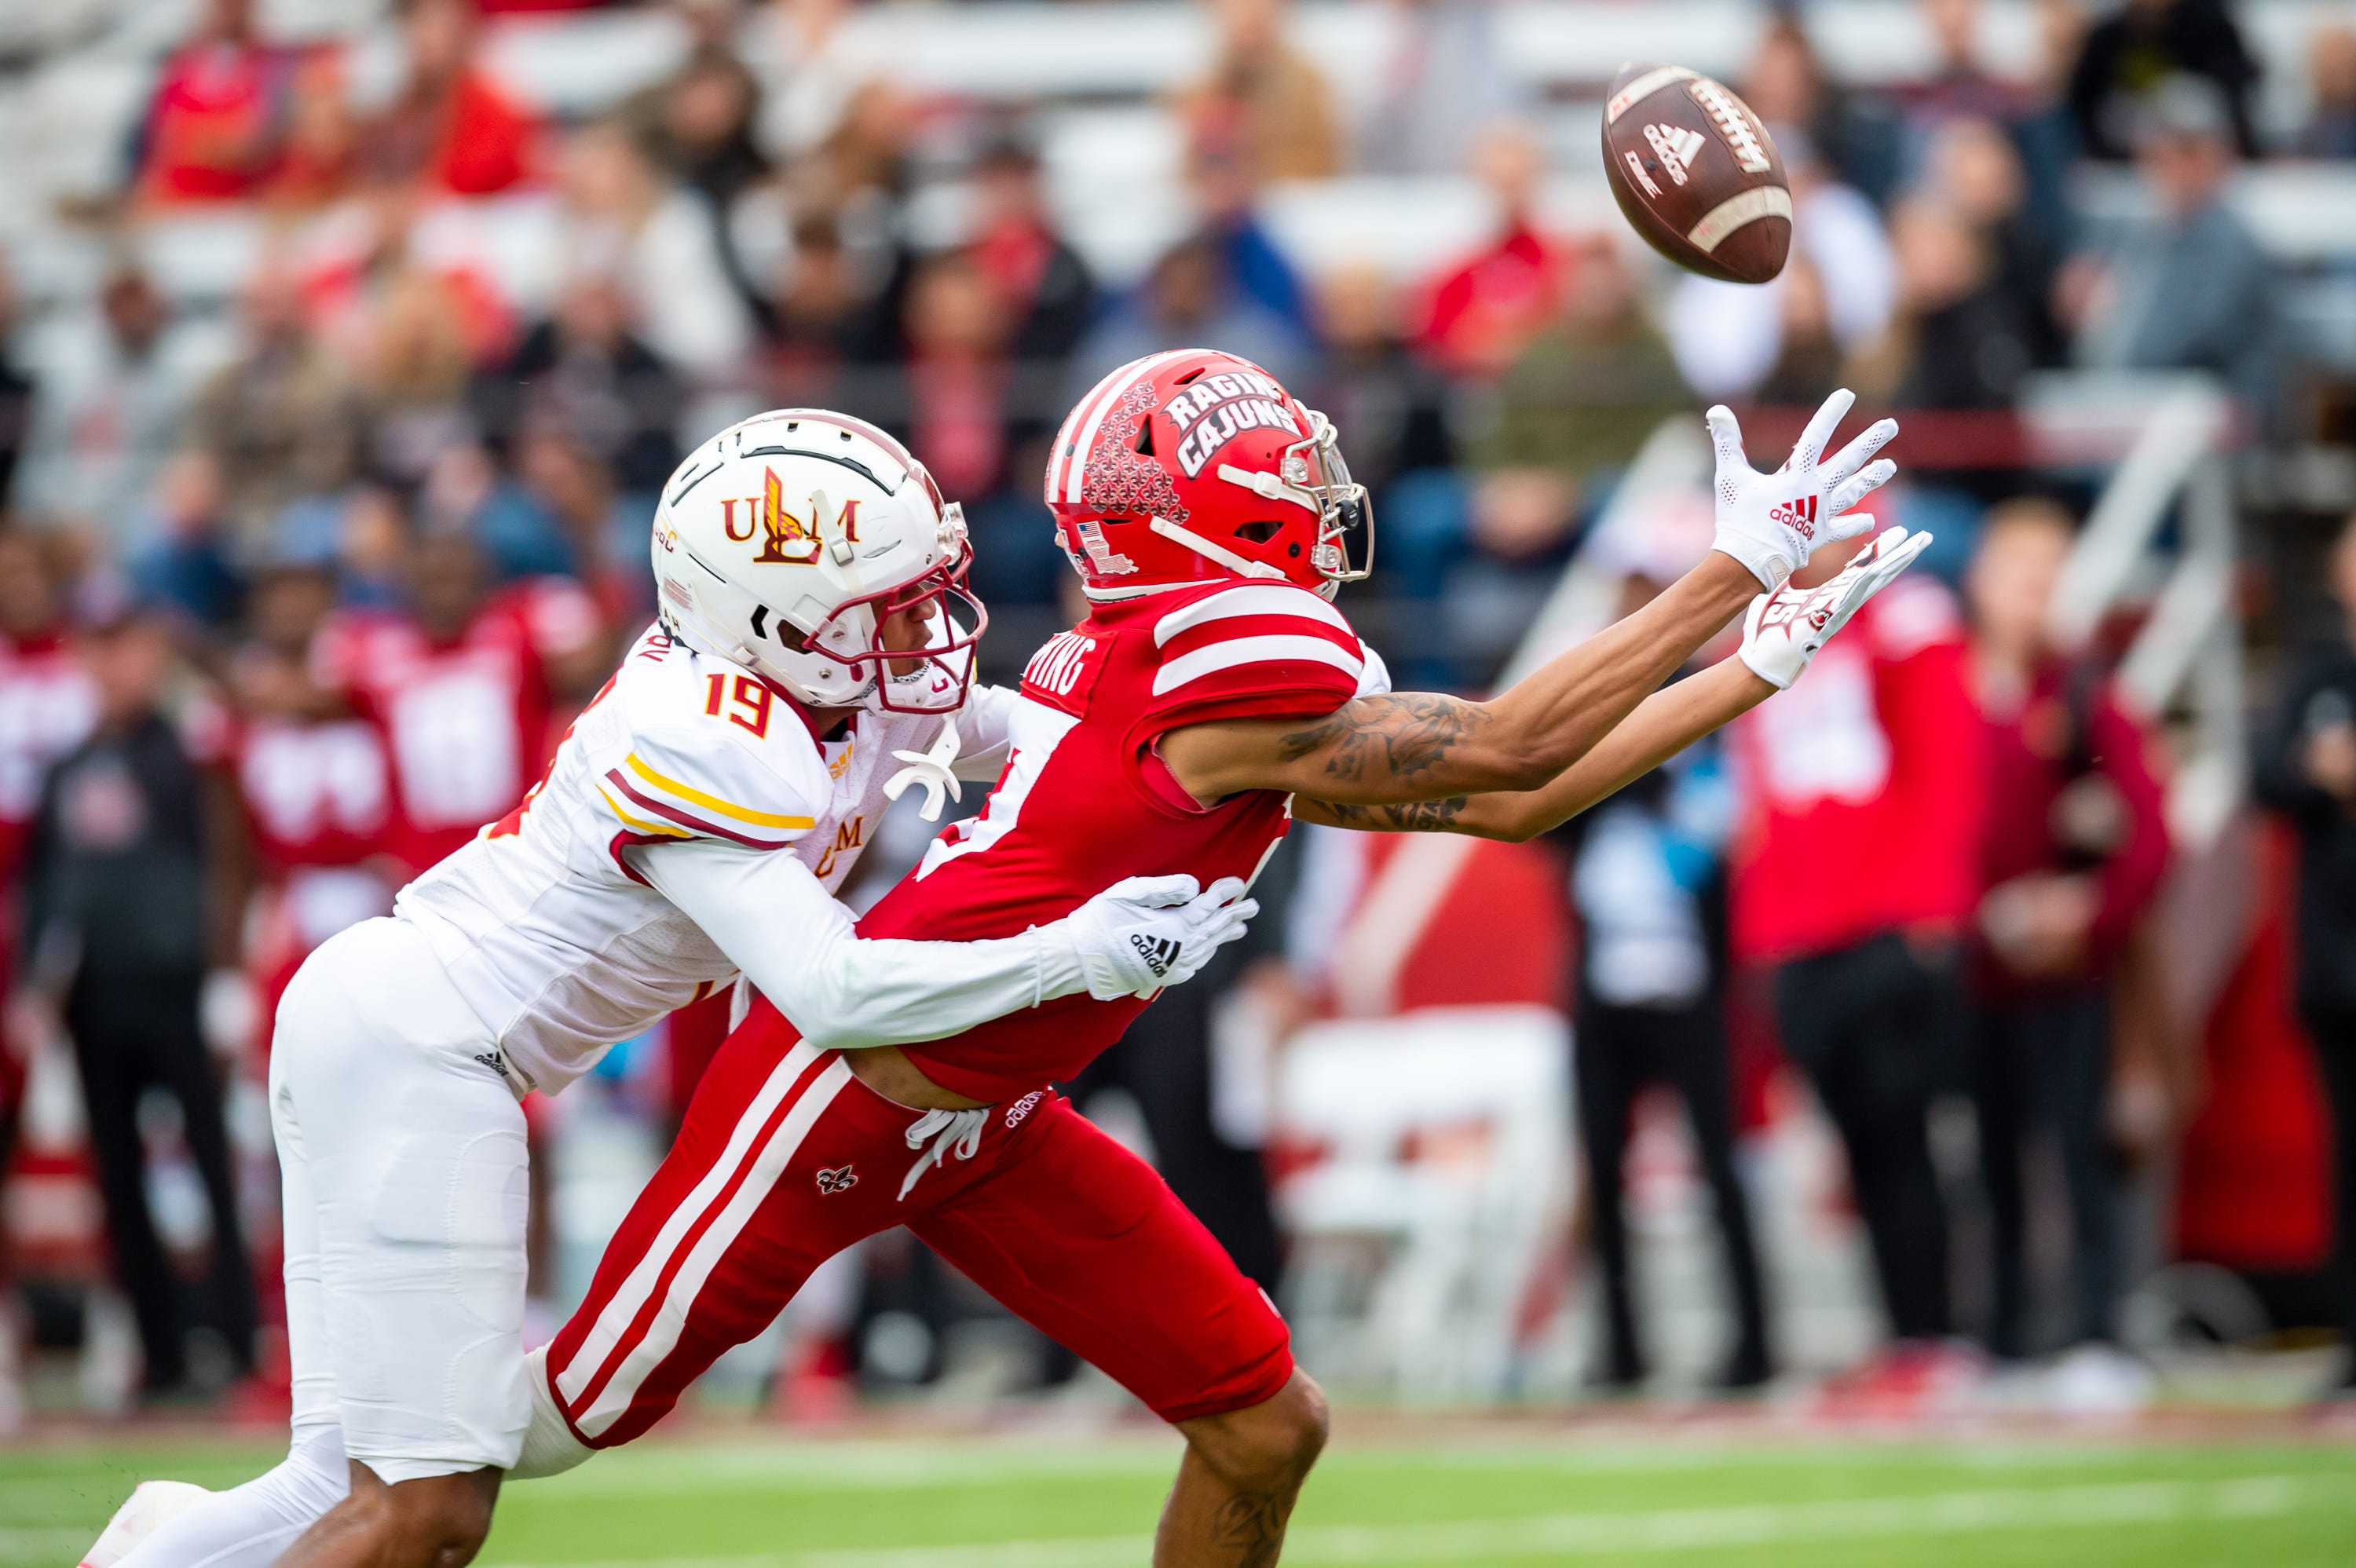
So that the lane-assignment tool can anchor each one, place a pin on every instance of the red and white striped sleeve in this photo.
(1256, 650)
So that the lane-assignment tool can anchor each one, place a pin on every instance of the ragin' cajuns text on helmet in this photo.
(1196, 464)
(788, 540)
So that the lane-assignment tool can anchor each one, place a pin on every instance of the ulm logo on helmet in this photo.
(785, 539)
(1217, 409)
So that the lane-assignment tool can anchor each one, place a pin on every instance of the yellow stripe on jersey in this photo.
(713, 802)
(663, 829)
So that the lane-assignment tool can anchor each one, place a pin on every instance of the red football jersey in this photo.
(467, 721)
(1085, 799)
(313, 794)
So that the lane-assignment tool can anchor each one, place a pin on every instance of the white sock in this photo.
(248, 1526)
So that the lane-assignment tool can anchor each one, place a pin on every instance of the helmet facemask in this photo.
(930, 679)
(1315, 465)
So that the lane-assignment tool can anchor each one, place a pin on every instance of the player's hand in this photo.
(1783, 630)
(1772, 522)
(1140, 934)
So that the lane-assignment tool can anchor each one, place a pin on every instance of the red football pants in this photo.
(785, 1159)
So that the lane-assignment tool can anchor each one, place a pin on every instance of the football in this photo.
(1697, 174)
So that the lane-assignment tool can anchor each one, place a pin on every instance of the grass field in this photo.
(1483, 1497)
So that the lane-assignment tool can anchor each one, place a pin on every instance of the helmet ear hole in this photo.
(1258, 533)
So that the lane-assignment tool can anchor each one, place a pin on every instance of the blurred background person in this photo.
(1648, 881)
(2127, 55)
(1856, 873)
(123, 921)
(450, 128)
(2307, 770)
(216, 118)
(1273, 102)
(2075, 846)
(1482, 312)
(2189, 288)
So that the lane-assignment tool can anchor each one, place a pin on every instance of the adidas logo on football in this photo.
(1677, 148)
(1158, 955)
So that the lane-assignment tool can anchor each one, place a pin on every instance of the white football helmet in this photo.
(786, 541)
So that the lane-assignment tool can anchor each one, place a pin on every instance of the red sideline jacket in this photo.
(1865, 786)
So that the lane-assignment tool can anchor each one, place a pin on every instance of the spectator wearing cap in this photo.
(2136, 50)
(1648, 881)
(123, 920)
(451, 128)
(2188, 288)
(1856, 873)
(2307, 772)
(2075, 845)
(216, 120)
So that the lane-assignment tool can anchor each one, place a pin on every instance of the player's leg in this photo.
(1083, 1240)
(248, 1526)
(1694, 1053)
(1607, 1077)
(783, 1159)
(416, 1156)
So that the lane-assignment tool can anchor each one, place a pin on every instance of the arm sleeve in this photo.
(793, 942)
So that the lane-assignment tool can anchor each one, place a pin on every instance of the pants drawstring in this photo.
(943, 1130)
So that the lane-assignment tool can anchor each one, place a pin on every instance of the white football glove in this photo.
(1783, 630)
(1140, 934)
(1772, 522)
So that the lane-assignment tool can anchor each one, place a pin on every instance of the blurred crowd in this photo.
(288, 612)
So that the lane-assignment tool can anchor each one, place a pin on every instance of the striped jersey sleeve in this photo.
(698, 782)
(1255, 650)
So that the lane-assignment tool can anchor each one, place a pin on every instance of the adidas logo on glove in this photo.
(1158, 955)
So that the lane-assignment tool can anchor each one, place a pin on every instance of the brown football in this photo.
(1697, 174)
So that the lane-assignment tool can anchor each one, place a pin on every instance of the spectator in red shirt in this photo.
(1483, 312)
(1855, 878)
(452, 128)
(217, 118)
(2074, 846)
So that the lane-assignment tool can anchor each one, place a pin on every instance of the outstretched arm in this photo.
(1662, 725)
(1420, 746)
(1780, 636)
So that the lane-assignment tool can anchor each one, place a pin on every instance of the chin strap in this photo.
(931, 769)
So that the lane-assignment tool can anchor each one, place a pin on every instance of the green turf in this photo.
(1060, 1503)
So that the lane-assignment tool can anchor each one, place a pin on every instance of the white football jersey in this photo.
(557, 942)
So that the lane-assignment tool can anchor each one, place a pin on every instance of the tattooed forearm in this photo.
(1252, 1525)
(1404, 735)
(1417, 816)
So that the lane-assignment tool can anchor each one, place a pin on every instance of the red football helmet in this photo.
(1195, 464)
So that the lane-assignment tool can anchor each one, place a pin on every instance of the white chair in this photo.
(1436, 1201)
